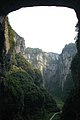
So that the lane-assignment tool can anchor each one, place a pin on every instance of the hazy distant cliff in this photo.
(60, 79)
(65, 59)
(42, 60)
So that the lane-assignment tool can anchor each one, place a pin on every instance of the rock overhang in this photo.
(7, 6)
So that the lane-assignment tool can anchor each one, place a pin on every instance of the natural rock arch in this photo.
(12, 5)
(7, 6)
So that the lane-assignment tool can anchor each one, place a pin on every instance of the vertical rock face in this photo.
(13, 43)
(19, 43)
(42, 60)
(51, 66)
(65, 59)
(36, 57)
(7, 42)
(56, 83)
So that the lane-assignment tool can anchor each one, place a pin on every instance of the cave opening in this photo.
(28, 116)
(48, 27)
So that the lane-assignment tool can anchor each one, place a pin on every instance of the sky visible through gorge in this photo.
(47, 28)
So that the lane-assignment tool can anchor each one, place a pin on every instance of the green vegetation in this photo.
(25, 97)
(68, 86)
(38, 78)
(59, 102)
(24, 64)
(72, 105)
(48, 115)
(75, 69)
(22, 95)
(71, 108)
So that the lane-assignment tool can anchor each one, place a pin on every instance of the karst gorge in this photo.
(34, 85)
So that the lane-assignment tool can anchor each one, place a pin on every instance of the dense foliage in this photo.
(68, 86)
(72, 106)
(24, 64)
(24, 94)
(71, 109)
(38, 78)
(75, 68)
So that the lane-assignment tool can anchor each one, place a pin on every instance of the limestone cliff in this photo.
(65, 59)
(13, 43)
(42, 60)
(55, 68)
(59, 78)
(19, 43)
